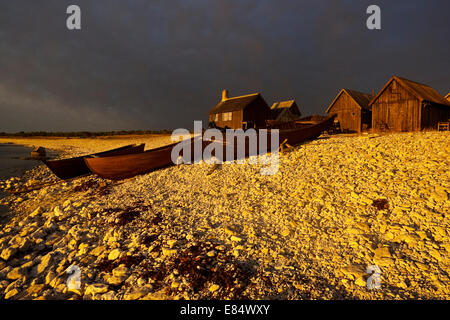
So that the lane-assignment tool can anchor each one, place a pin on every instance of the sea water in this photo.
(13, 160)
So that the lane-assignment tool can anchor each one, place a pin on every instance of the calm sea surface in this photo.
(12, 163)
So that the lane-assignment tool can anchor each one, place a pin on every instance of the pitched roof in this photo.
(419, 90)
(362, 99)
(234, 103)
(282, 104)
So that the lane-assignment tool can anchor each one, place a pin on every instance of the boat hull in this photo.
(127, 166)
(76, 167)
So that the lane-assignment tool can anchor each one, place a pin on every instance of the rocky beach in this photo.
(337, 205)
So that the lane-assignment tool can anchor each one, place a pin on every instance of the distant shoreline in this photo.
(81, 134)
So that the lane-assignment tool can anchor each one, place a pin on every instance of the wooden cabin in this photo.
(405, 105)
(285, 111)
(352, 110)
(243, 112)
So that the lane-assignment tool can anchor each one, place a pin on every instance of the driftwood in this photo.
(283, 145)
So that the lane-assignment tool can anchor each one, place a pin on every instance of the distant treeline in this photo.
(83, 134)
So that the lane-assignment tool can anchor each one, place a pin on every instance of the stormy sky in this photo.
(149, 64)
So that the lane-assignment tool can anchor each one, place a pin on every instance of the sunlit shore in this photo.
(308, 232)
(75, 146)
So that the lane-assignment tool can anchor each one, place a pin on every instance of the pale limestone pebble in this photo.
(16, 273)
(110, 295)
(57, 211)
(11, 294)
(118, 276)
(36, 212)
(171, 243)
(97, 251)
(214, 287)
(168, 252)
(61, 266)
(9, 252)
(235, 239)
(211, 253)
(114, 280)
(142, 282)
(354, 271)
(159, 295)
(138, 294)
(83, 249)
(17, 284)
(44, 263)
(96, 288)
(114, 254)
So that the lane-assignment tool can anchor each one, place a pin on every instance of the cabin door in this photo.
(395, 117)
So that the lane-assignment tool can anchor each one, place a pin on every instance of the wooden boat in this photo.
(292, 133)
(76, 167)
(127, 166)
(314, 119)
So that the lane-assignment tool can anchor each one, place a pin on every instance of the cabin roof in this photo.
(234, 103)
(362, 99)
(421, 91)
(282, 104)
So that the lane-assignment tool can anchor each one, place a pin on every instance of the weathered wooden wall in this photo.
(258, 112)
(235, 123)
(432, 114)
(348, 113)
(396, 109)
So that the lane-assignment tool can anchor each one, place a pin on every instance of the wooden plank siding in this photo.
(402, 106)
(234, 123)
(246, 111)
(396, 109)
(348, 113)
(352, 111)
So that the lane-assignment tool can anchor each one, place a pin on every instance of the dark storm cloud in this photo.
(161, 64)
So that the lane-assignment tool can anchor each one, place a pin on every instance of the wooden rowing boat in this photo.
(76, 167)
(290, 133)
(127, 166)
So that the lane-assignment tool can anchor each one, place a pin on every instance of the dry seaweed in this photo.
(149, 239)
(108, 265)
(126, 217)
(199, 269)
(381, 204)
